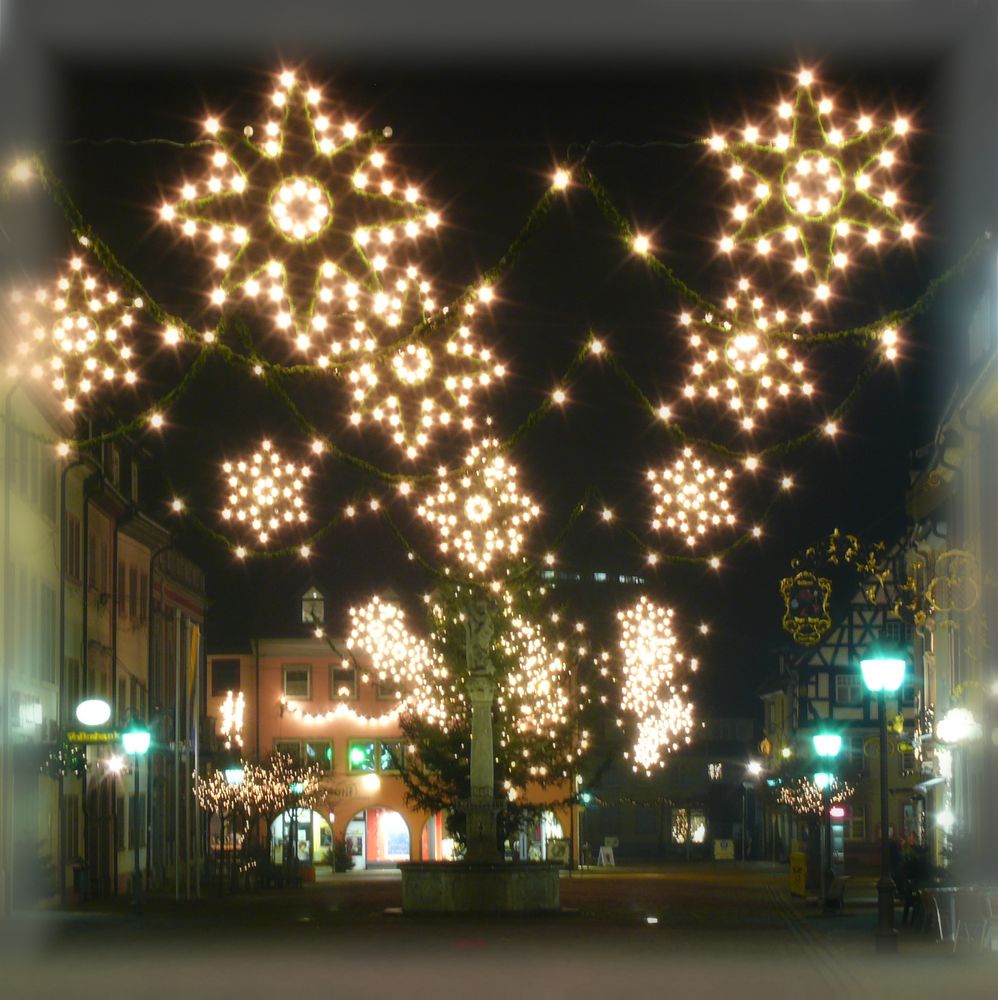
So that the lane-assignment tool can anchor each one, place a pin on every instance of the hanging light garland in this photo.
(812, 189)
(75, 336)
(743, 365)
(265, 492)
(691, 497)
(479, 513)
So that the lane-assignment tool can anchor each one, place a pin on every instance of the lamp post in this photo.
(754, 769)
(883, 672)
(827, 747)
(135, 740)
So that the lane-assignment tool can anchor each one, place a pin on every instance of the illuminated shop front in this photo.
(308, 829)
(377, 838)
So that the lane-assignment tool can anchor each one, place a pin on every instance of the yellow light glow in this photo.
(691, 498)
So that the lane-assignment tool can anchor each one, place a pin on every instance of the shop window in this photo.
(318, 752)
(297, 681)
(343, 681)
(715, 771)
(361, 756)
(224, 677)
(391, 756)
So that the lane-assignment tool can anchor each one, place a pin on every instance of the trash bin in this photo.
(798, 874)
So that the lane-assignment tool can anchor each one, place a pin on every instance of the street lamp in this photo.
(754, 769)
(135, 740)
(883, 672)
(827, 747)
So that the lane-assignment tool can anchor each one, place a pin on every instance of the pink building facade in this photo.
(301, 698)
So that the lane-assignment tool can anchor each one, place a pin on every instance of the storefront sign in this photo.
(346, 790)
(93, 736)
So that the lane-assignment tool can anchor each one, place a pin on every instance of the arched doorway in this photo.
(377, 838)
(541, 838)
(436, 844)
(307, 829)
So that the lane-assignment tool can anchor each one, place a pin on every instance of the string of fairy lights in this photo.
(306, 224)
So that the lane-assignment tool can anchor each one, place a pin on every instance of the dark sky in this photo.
(481, 137)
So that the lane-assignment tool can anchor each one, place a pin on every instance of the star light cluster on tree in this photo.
(650, 690)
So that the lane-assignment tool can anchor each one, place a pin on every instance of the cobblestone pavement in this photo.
(710, 930)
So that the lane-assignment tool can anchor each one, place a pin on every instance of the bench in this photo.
(835, 894)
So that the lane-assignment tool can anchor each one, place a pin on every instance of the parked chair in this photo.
(938, 916)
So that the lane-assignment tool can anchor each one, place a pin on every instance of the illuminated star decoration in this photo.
(308, 223)
(743, 365)
(478, 512)
(691, 497)
(650, 690)
(422, 386)
(73, 335)
(813, 188)
(265, 492)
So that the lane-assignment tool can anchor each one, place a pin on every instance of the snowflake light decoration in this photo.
(743, 364)
(74, 335)
(478, 513)
(813, 187)
(650, 691)
(308, 223)
(265, 492)
(691, 497)
(422, 387)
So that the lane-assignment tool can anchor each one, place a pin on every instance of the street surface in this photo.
(720, 931)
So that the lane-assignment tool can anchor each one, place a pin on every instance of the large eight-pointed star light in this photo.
(264, 492)
(478, 512)
(691, 497)
(74, 335)
(743, 365)
(812, 189)
(308, 222)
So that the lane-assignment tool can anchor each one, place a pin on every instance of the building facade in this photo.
(297, 695)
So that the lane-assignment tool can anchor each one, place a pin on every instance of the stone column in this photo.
(481, 808)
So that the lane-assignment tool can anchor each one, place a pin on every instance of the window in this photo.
(122, 596)
(906, 760)
(71, 552)
(297, 681)
(312, 607)
(133, 592)
(907, 694)
(715, 772)
(289, 748)
(855, 825)
(391, 756)
(318, 752)
(343, 680)
(848, 689)
(387, 690)
(897, 631)
(224, 677)
(360, 756)
(645, 820)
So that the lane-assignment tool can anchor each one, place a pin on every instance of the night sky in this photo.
(481, 138)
